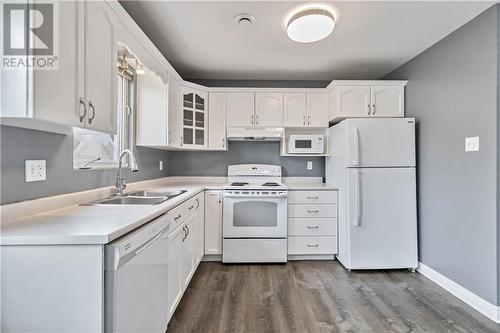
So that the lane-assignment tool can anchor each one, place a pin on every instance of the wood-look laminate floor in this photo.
(319, 296)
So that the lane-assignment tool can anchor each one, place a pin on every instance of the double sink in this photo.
(142, 197)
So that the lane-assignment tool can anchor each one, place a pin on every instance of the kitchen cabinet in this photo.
(306, 109)
(82, 91)
(312, 224)
(370, 99)
(194, 118)
(98, 83)
(152, 109)
(240, 108)
(188, 250)
(174, 113)
(217, 121)
(213, 222)
(175, 261)
(268, 109)
(200, 226)
(387, 100)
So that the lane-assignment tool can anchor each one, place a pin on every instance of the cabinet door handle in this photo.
(185, 235)
(191, 207)
(308, 120)
(369, 109)
(257, 119)
(251, 119)
(198, 203)
(313, 211)
(311, 227)
(223, 143)
(91, 107)
(188, 231)
(303, 120)
(315, 245)
(82, 116)
(373, 109)
(177, 217)
(312, 198)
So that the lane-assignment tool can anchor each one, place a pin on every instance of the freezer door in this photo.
(385, 142)
(382, 221)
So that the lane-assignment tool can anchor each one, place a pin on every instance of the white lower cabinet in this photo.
(312, 224)
(185, 244)
(200, 226)
(213, 222)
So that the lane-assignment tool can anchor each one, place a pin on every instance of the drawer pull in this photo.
(311, 227)
(191, 207)
(313, 198)
(313, 211)
(177, 217)
(315, 245)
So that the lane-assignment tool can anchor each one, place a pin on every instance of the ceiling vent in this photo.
(244, 19)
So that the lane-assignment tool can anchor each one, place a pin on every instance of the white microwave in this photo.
(306, 144)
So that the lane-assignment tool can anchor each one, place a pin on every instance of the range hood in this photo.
(254, 133)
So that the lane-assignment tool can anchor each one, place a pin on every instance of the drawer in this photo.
(179, 214)
(303, 226)
(312, 210)
(312, 245)
(312, 197)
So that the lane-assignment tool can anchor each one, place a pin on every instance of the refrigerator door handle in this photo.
(357, 199)
(355, 137)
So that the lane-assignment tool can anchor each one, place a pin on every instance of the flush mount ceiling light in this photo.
(310, 25)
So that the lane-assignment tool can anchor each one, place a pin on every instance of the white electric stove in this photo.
(255, 214)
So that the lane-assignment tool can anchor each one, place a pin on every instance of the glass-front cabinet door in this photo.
(194, 118)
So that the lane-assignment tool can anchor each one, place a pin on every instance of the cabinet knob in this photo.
(309, 245)
(369, 110)
(373, 109)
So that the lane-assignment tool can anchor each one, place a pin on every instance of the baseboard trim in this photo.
(477, 303)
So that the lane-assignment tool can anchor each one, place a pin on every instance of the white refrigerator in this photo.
(373, 164)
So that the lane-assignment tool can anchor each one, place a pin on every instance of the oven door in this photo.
(255, 217)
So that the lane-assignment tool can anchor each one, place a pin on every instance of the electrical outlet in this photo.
(161, 165)
(472, 143)
(309, 165)
(35, 170)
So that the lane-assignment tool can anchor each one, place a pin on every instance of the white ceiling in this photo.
(370, 39)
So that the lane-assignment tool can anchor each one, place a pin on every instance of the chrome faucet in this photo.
(120, 180)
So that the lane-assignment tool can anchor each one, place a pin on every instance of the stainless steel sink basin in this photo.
(127, 200)
(169, 194)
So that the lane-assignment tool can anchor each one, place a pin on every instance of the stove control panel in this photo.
(255, 193)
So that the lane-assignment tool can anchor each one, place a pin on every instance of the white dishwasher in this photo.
(136, 280)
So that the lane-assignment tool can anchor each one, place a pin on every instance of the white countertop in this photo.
(91, 224)
(102, 224)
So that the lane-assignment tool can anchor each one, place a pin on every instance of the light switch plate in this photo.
(35, 170)
(161, 165)
(472, 143)
(309, 165)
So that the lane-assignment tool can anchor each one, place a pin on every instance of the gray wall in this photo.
(18, 145)
(452, 92)
(498, 151)
(215, 163)
(262, 83)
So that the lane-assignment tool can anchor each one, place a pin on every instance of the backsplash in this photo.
(211, 163)
(18, 145)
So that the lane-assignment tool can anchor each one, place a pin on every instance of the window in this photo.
(98, 150)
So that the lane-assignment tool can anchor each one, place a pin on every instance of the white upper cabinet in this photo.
(353, 101)
(306, 109)
(213, 222)
(152, 109)
(54, 91)
(194, 118)
(295, 109)
(100, 67)
(240, 109)
(373, 99)
(317, 109)
(174, 113)
(268, 109)
(217, 121)
(387, 101)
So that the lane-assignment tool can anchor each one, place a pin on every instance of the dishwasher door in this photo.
(136, 280)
